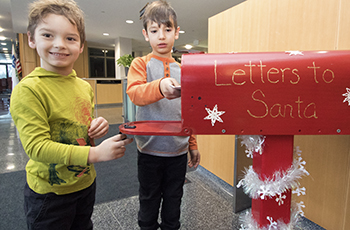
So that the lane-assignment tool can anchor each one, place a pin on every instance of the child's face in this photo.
(57, 42)
(161, 38)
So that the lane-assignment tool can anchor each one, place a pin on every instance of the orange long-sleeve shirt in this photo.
(143, 88)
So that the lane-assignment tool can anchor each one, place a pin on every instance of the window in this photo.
(5, 78)
(102, 63)
(5, 70)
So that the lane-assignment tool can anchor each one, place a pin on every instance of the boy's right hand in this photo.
(110, 149)
(168, 91)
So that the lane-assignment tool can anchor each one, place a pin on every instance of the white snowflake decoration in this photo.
(253, 143)
(298, 151)
(300, 205)
(242, 227)
(299, 191)
(248, 222)
(214, 115)
(295, 52)
(249, 153)
(280, 198)
(347, 96)
(264, 192)
(273, 224)
(301, 164)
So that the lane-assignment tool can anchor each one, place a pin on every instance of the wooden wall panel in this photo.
(93, 84)
(344, 25)
(347, 201)
(327, 161)
(81, 65)
(28, 57)
(270, 25)
(109, 93)
(217, 155)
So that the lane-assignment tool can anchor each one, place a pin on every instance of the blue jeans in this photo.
(161, 182)
(61, 212)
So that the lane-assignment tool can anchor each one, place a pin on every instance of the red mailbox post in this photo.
(276, 94)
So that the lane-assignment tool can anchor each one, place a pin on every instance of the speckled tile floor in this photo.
(206, 205)
(207, 202)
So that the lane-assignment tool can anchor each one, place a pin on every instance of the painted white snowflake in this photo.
(280, 198)
(347, 96)
(295, 52)
(214, 115)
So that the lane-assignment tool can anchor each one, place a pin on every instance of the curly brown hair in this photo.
(67, 8)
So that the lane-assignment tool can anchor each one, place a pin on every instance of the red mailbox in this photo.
(276, 94)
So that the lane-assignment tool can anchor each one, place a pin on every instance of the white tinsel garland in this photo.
(276, 185)
(253, 143)
(248, 223)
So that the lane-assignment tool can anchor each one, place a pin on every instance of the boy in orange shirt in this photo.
(162, 160)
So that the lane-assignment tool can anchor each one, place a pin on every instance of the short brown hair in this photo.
(159, 12)
(67, 8)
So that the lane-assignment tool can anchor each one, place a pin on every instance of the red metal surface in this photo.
(261, 209)
(276, 93)
(277, 156)
(155, 128)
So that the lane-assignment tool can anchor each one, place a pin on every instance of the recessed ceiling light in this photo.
(10, 167)
(2, 38)
(5, 49)
(3, 43)
(1, 29)
(188, 46)
(106, 34)
(129, 21)
(181, 32)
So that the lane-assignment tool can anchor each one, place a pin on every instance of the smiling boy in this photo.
(50, 36)
(52, 109)
(162, 160)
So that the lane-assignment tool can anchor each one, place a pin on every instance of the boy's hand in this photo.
(195, 158)
(110, 149)
(168, 91)
(98, 128)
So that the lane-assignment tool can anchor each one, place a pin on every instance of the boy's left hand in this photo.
(195, 158)
(98, 128)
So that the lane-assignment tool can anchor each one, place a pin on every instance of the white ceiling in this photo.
(110, 16)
